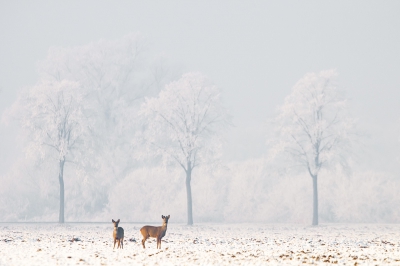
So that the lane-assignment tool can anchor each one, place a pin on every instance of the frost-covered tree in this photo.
(114, 76)
(182, 125)
(313, 127)
(53, 117)
(117, 75)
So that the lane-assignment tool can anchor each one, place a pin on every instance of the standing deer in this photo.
(155, 231)
(118, 234)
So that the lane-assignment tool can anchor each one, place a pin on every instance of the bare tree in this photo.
(113, 77)
(52, 115)
(313, 126)
(182, 125)
(117, 76)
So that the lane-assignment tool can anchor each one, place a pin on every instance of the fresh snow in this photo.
(201, 244)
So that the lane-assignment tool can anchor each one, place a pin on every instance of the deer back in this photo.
(152, 231)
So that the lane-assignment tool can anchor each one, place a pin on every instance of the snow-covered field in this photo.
(201, 244)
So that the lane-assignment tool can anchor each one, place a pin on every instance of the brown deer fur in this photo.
(118, 234)
(155, 231)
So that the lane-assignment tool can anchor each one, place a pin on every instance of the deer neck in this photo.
(164, 226)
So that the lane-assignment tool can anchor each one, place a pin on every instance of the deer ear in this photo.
(162, 216)
(168, 216)
(113, 221)
(118, 221)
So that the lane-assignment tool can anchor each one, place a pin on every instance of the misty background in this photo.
(255, 52)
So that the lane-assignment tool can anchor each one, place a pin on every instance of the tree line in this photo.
(108, 108)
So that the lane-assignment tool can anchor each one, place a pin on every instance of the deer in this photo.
(155, 231)
(118, 234)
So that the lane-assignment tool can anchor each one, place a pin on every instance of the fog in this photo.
(255, 53)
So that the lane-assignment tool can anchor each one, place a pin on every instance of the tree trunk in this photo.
(61, 181)
(315, 200)
(189, 194)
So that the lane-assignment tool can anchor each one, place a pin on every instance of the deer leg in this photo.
(143, 240)
(115, 240)
(122, 243)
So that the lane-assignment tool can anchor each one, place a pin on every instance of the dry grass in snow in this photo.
(202, 244)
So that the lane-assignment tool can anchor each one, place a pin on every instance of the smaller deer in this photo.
(118, 234)
(155, 231)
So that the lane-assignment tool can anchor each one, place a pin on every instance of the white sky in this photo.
(254, 50)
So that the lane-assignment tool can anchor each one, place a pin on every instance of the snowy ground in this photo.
(201, 244)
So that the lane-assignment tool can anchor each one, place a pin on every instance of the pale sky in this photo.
(254, 50)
